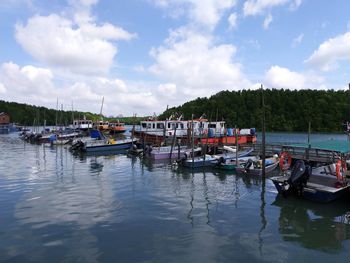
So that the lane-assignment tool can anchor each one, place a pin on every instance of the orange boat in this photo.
(116, 127)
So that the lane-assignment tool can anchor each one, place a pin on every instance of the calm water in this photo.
(56, 207)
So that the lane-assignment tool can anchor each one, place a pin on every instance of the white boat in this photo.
(200, 161)
(106, 145)
(82, 124)
(166, 152)
(180, 128)
(255, 167)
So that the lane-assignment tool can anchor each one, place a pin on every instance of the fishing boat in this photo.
(58, 137)
(202, 130)
(229, 152)
(230, 164)
(165, 152)
(321, 183)
(200, 161)
(82, 124)
(252, 167)
(314, 184)
(102, 125)
(99, 143)
(105, 145)
(109, 145)
(116, 127)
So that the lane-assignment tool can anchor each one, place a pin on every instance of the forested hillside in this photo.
(286, 110)
(25, 114)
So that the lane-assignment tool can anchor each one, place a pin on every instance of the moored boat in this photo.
(314, 184)
(255, 167)
(318, 182)
(116, 127)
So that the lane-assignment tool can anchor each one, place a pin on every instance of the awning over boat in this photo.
(331, 145)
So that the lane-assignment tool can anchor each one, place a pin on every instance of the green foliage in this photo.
(285, 110)
(28, 115)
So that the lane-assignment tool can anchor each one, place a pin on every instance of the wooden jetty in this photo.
(315, 152)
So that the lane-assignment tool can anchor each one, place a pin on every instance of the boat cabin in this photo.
(102, 125)
(182, 127)
(83, 124)
(4, 118)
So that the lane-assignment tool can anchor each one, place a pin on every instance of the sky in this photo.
(144, 55)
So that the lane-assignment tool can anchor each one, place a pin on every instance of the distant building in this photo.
(120, 116)
(4, 118)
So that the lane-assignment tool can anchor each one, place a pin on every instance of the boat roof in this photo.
(340, 146)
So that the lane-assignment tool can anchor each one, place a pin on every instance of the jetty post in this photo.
(263, 157)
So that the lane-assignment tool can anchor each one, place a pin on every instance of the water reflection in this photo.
(316, 226)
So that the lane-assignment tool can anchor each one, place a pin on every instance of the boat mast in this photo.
(192, 142)
(103, 99)
(56, 115)
(73, 116)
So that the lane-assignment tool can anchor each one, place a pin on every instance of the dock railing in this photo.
(302, 153)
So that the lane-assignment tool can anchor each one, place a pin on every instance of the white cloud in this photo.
(206, 12)
(283, 78)
(295, 4)
(196, 66)
(33, 85)
(267, 21)
(264, 7)
(258, 7)
(2, 88)
(331, 51)
(232, 21)
(82, 47)
(167, 90)
(297, 41)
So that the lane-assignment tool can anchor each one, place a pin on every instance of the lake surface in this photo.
(56, 207)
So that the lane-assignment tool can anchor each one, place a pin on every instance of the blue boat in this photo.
(99, 143)
(324, 183)
(107, 145)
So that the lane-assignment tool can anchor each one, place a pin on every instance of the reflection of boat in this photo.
(313, 225)
(255, 167)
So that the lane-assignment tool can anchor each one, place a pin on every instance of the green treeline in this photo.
(286, 110)
(29, 115)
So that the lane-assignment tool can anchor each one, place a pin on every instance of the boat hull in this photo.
(257, 172)
(311, 191)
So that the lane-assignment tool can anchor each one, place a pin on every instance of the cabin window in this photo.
(160, 125)
(212, 125)
(154, 125)
(149, 125)
(181, 125)
(169, 125)
(144, 125)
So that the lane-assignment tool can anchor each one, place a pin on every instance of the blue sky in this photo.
(142, 55)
